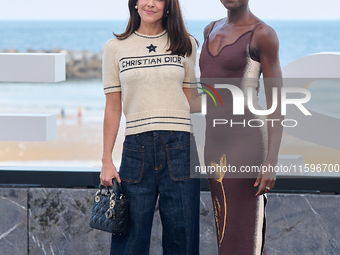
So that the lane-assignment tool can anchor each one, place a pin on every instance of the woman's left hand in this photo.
(267, 178)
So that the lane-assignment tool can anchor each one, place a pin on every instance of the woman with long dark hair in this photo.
(148, 70)
(237, 49)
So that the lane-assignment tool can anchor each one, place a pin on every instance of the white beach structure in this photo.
(303, 72)
(30, 67)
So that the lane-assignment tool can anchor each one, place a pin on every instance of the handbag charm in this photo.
(110, 211)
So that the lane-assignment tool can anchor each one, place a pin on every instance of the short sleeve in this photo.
(110, 67)
(190, 66)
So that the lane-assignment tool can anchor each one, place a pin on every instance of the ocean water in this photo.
(297, 39)
(52, 97)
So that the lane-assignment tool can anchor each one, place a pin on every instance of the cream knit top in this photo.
(151, 82)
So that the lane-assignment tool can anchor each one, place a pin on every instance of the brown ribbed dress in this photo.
(239, 215)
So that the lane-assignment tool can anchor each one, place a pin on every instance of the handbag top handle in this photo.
(117, 187)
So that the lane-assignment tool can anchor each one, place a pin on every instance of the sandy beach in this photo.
(77, 143)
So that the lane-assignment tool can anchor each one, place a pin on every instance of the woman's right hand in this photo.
(108, 173)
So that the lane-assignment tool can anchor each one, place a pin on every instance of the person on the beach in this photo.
(238, 48)
(148, 70)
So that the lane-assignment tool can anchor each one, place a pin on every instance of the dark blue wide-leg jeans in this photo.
(157, 163)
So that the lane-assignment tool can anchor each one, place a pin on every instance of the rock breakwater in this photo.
(79, 64)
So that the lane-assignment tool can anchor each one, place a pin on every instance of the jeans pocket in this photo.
(178, 159)
(132, 165)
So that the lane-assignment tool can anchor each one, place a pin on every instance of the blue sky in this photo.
(192, 9)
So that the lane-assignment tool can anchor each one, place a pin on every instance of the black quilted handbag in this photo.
(110, 212)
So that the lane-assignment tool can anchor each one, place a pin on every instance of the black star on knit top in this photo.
(151, 48)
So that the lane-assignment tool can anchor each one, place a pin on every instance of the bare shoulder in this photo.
(266, 45)
(265, 33)
(208, 28)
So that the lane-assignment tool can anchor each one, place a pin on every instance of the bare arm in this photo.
(267, 43)
(113, 110)
(194, 99)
